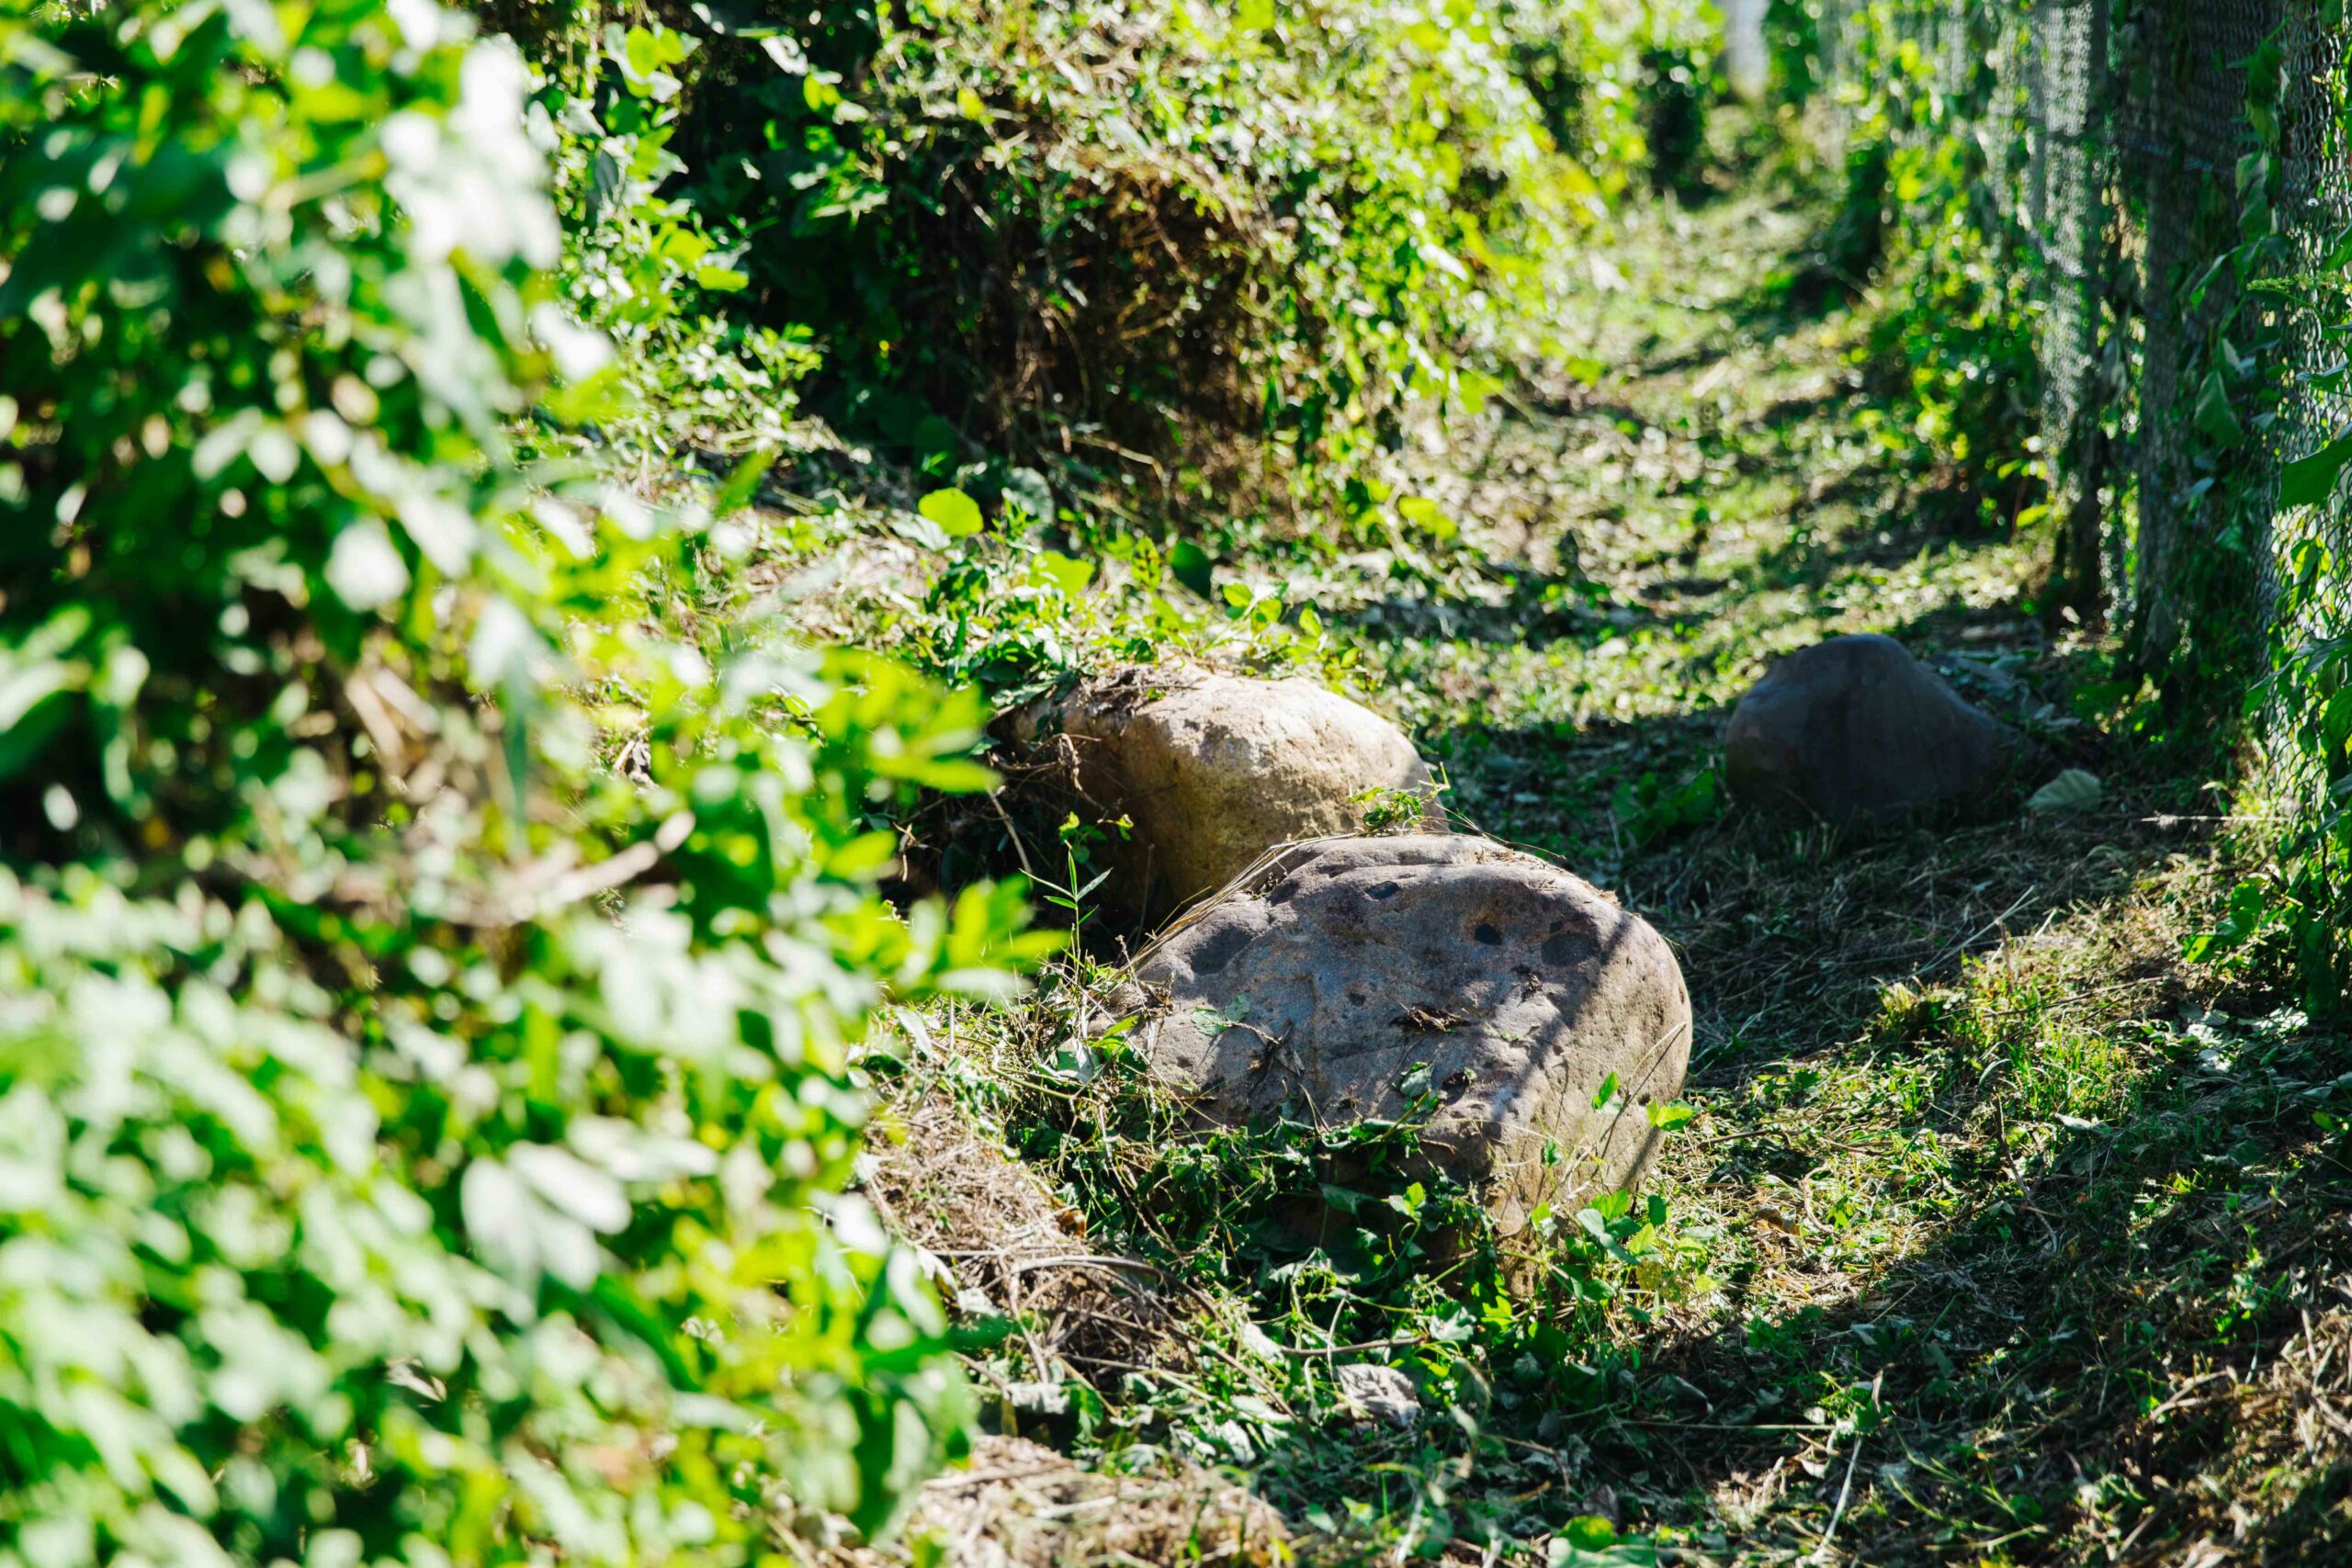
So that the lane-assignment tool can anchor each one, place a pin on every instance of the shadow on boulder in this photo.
(1345, 978)
(1856, 730)
(1211, 771)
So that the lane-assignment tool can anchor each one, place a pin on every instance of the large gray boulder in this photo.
(1214, 769)
(1855, 728)
(1312, 990)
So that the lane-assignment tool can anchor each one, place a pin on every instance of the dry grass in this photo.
(1007, 1245)
(1021, 1505)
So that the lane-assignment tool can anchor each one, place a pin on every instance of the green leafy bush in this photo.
(1052, 255)
(424, 987)
(1076, 231)
(643, 265)
(2290, 920)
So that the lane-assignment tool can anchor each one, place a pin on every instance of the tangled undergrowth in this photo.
(378, 1179)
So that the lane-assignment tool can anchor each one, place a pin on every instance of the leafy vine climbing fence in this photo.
(2178, 170)
(2174, 175)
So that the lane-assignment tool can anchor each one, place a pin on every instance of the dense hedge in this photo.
(425, 986)
(1118, 238)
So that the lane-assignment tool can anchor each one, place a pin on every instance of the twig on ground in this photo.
(1845, 1488)
(1348, 1349)
(1019, 850)
(1085, 1261)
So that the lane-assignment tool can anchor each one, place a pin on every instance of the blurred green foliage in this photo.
(426, 975)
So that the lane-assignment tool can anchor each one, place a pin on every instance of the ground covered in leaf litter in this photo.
(2007, 1236)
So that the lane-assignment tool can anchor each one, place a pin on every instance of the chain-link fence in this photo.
(2146, 149)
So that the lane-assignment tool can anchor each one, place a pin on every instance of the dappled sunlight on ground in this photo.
(1979, 1157)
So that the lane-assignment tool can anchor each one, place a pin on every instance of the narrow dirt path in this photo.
(1934, 1067)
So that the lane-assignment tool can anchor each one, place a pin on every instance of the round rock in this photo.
(1312, 991)
(1855, 728)
(1214, 769)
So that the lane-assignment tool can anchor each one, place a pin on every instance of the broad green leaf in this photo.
(957, 514)
(1190, 565)
(1070, 577)
(2335, 724)
(1591, 1541)
(2312, 480)
(2072, 790)
(2215, 416)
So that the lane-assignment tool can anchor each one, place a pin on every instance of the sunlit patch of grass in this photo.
(2054, 1209)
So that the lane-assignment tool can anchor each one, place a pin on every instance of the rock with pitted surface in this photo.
(1214, 769)
(1856, 729)
(1316, 990)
